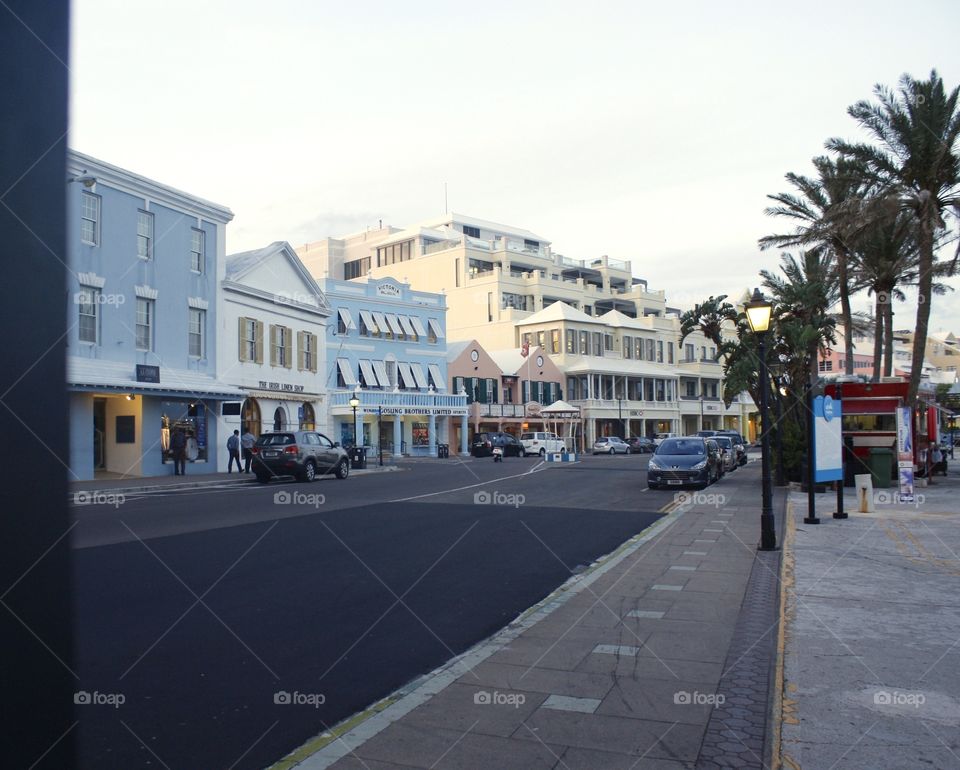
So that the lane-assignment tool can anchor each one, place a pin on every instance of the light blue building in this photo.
(386, 348)
(145, 263)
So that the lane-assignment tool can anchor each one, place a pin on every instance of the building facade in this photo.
(145, 262)
(273, 329)
(387, 349)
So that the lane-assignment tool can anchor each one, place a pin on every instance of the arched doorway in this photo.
(308, 420)
(250, 417)
(279, 418)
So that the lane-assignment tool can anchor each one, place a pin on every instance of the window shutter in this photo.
(273, 345)
(313, 352)
(496, 397)
(457, 384)
(242, 337)
(258, 341)
(526, 391)
(300, 351)
(482, 391)
(288, 347)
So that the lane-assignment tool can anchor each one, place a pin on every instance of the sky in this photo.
(649, 132)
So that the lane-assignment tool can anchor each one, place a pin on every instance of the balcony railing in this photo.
(501, 410)
(371, 399)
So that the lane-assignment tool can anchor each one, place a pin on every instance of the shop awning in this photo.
(368, 321)
(346, 371)
(381, 372)
(438, 382)
(347, 319)
(419, 376)
(418, 325)
(406, 374)
(408, 326)
(395, 324)
(369, 376)
(435, 326)
(95, 374)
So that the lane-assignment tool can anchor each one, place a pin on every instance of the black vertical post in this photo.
(781, 471)
(38, 676)
(840, 513)
(768, 534)
(380, 436)
(811, 517)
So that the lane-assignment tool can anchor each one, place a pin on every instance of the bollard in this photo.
(864, 483)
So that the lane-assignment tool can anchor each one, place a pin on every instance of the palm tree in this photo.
(709, 318)
(826, 209)
(915, 161)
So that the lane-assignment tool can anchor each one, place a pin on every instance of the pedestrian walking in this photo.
(178, 446)
(233, 448)
(247, 440)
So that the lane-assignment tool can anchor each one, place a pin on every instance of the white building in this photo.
(273, 327)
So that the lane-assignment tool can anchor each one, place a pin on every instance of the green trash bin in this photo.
(881, 466)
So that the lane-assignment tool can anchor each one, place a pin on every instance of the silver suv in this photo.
(302, 454)
(540, 442)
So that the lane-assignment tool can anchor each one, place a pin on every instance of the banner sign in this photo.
(828, 439)
(905, 469)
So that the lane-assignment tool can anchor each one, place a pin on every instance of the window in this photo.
(598, 343)
(90, 218)
(356, 268)
(456, 272)
(144, 324)
(703, 352)
(88, 301)
(713, 354)
(540, 338)
(571, 341)
(608, 342)
(659, 351)
(473, 232)
(531, 245)
(195, 332)
(688, 353)
(394, 253)
(197, 247)
(144, 235)
(691, 388)
(651, 350)
(628, 347)
(554, 341)
(826, 366)
(670, 353)
(281, 346)
(251, 340)
(638, 348)
(584, 343)
(308, 351)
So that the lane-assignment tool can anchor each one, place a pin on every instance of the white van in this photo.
(541, 442)
(661, 436)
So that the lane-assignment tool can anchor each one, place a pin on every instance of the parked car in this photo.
(727, 451)
(739, 445)
(483, 444)
(706, 433)
(610, 445)
(681, 461)
(662, 436)
(540, 442)
(640, 444)
(303, 454)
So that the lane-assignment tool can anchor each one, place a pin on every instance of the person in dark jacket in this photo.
(233, 447)
(178, 446)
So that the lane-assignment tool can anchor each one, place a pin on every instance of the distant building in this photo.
(145, 262)
(273, 345)
(387, 347)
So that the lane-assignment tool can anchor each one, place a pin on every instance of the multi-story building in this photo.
(272, 326)
(502, 385)
(616, 341)
(145, 263)
(387, 349)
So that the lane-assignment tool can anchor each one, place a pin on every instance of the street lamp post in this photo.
(781, 471)
(354, 403)
(758, 312)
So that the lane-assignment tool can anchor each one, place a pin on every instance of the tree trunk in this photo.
(888, 341)
(924, 286)
(847, 316)
(877, 337)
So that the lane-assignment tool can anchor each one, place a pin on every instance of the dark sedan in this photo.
(483, 444)
(684, 461)
(640, 444)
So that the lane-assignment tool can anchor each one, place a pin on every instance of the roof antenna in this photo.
(381, 224)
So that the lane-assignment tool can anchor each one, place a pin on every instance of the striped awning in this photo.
(381, 372)
(418, 325)
(408, 326)
(419, 376)
(346, 371)
(406, 374)
(381, 320)
(369, 376)
(368, 321)
(437, 378)
(347, 319)
(395, 324)
(435, 326)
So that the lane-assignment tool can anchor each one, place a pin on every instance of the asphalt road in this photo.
(200, 613)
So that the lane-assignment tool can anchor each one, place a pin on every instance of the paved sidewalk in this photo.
(653, 658)
(872, 643)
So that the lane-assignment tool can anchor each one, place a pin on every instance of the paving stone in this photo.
(567, 703)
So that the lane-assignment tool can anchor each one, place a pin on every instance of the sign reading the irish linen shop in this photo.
(146, 373)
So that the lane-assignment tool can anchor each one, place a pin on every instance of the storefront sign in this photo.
(284, 386)
(146, 373)
(439, 411)
(388, 290)
(828, 440)
(905, 453)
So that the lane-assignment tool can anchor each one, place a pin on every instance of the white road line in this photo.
(534, 469)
